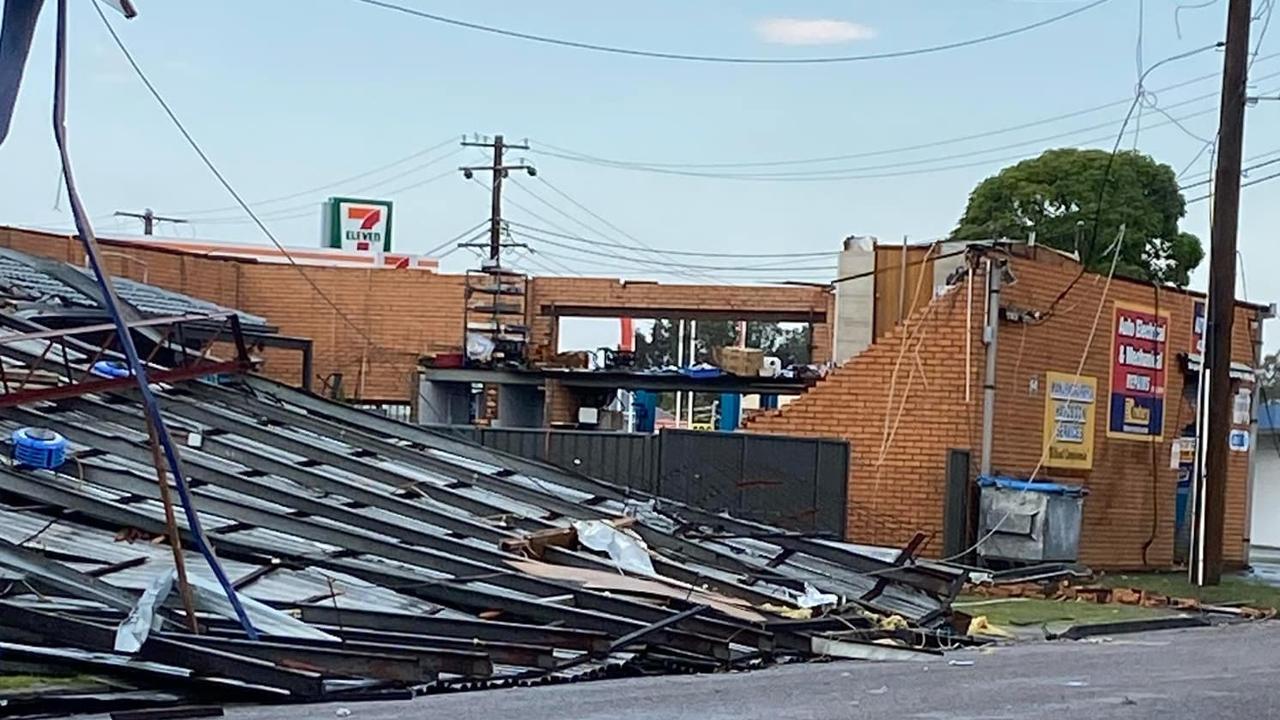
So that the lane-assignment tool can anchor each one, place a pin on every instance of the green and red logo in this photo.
(358, 225)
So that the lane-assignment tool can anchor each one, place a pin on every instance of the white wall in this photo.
(1265, 530)
(855, 299)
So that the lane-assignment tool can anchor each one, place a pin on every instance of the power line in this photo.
(195, 146)
(827, 176)
(309, 209)
(885, 151)
(646, 247)
(730, 59)
(1255, 181)
(764, 268)
(667, 251)
(567, 233)
(652, 270)
(1243, 171)
(328, 186)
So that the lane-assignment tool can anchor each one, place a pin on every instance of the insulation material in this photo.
(629, 553)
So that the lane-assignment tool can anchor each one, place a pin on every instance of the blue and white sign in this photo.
(1239, 441)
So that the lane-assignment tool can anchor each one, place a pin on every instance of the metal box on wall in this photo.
(1029, 522)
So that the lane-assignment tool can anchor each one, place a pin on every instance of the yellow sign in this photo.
(1069, 409)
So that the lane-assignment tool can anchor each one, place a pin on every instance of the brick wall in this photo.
(1131, 485)
(902, 404)
(405, 313)
(607, 297)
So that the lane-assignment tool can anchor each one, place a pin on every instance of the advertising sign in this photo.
(1069, 411)
(1138, 368)
(1069, 420)
(357, 225)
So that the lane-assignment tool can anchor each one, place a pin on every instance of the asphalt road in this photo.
(1227, 672)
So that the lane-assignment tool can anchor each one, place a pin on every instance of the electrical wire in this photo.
(831, 176)
(650, 270)
(327, 186)
(688, 275)
(1255, 181)
(1106, 175)
(668, 251)
(750, 270)
(635, 52)
(769, 267)
(1244, 171)
(1177, 24)
(309, 209)
(226, 184)
(885, 151)
(1084, 356)
(607, 223)
(643, 248)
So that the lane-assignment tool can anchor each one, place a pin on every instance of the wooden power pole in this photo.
(1206, 565)
(148, 219)
(499, 171)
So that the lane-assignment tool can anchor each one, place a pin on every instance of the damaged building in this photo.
(911, 403)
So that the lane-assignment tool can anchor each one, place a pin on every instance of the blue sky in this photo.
(287, 96)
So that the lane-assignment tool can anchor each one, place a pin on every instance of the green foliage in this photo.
(658, 349)
(1269, 376)
(1057, 195)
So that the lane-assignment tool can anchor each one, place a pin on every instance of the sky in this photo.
(290, 98)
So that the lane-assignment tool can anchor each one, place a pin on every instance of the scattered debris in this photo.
(1062, 589)
(382, 560)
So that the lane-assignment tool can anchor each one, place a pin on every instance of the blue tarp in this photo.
(1023, 485)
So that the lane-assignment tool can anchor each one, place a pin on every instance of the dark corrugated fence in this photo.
(797, 483)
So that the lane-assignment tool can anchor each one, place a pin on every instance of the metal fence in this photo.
(797, 483)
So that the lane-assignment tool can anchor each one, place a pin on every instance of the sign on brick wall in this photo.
(1069, 409)
(1138, 367)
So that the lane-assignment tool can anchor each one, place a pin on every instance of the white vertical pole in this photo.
(693, 357)
(679, 364)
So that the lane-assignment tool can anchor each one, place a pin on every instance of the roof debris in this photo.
(382, 559)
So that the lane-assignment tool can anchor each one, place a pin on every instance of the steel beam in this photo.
(425, 438)
(723, 630)
(414, 457)
(445, 591)
(505, 653)
(59, 629)
(328, 534)
(583, 640)
(335, 660)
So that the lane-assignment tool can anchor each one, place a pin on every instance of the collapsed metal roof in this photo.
(433, 563)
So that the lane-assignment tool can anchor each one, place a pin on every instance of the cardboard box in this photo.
(745, 362)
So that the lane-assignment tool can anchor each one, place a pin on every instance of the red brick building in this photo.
(917, 392)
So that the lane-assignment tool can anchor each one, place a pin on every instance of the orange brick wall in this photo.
(406, 313)
(901, 403)
(1124, 497)
(643, 298)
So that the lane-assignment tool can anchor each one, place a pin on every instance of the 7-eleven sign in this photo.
(359, 225)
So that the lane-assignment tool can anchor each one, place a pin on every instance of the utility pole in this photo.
(499, 171)
(1206, 552)
(148, 219)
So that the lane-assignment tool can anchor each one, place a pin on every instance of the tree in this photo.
(1269, 377)
(658, 348)
(1058, 195)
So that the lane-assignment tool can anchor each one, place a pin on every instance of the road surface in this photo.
(1225, 672)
